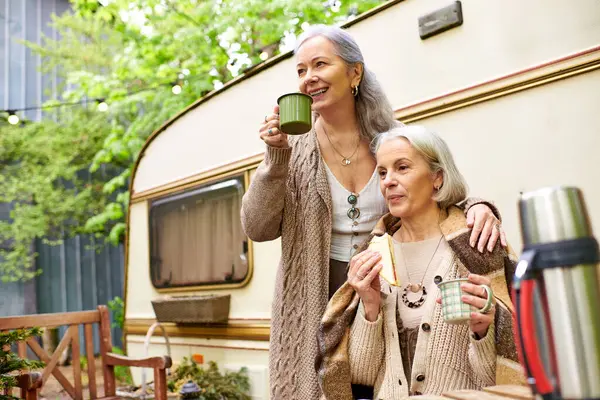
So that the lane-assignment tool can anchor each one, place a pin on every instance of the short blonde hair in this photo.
(436, 152)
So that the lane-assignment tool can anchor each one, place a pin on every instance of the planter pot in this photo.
(207, 309)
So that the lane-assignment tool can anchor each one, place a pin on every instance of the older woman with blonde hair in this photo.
(394, 337)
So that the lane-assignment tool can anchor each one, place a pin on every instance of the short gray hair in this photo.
(436, 152)
(373, 109)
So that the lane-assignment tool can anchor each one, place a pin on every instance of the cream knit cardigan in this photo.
(289, 197)
(446, 356)
(468, 363)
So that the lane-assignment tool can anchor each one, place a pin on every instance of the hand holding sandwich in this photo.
(363, 277)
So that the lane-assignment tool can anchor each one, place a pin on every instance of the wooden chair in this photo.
(28, 383)
(109, 360)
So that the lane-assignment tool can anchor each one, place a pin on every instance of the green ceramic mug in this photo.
(454, 310)
(295, 116)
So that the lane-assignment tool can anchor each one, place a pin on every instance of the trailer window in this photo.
(196, 236)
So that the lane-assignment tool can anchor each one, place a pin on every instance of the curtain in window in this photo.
(199, 240)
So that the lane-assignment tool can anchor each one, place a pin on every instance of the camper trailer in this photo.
(514, 89)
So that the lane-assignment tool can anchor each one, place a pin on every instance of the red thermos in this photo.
(556, 292)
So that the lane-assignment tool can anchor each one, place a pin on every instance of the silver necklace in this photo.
(345, 160)
(417, 287)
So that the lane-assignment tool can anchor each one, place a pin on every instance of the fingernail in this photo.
(472, 243)
(481, 249)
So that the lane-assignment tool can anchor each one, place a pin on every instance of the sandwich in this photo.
(384, 246)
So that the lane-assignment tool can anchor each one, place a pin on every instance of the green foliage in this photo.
(117, 306)
(128, 52)
(122, 373)
(213, 384)
(10, 362)
(40, 173)
(83, 363)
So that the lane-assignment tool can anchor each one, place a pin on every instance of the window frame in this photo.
(245, 174)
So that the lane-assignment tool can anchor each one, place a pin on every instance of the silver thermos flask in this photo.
(556, 292)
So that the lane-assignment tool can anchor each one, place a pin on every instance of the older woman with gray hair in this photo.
(319, 193)
(398, 340)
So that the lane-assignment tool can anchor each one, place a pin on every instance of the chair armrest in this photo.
(29, 380)
(163, 362)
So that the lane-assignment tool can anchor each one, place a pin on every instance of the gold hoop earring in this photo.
(355, 91)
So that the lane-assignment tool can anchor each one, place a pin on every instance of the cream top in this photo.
(411, 267)
(348, 234)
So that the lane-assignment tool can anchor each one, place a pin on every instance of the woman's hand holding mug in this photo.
(477, 296)
(270, 133)
(468, 300)
(363, 276)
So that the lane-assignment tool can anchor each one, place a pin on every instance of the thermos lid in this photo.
(553, 214)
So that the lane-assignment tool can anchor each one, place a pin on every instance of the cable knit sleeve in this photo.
(466, 205)
(263, 203)
(366, 348)
(482, 357)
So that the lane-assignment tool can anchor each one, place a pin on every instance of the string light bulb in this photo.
(13, 118)
(176, 89)
(102, 106)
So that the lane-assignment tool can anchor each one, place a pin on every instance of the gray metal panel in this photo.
(44, 286)
(16, 53)
(70, 268)
(4, 211)
(54, 271)
(47, 8)
(60, 8)
(11, 299)
(88, 276)
(72, 271)
(118, 275)
(3, 54)
(101, 270)
(20, 82)
(91, 277)
(32, 76)
(30, 303)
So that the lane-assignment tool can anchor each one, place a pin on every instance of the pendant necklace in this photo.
(354, 212)
(416, 287)
(345, 160)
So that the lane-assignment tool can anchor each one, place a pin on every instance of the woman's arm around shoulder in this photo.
(486, 223)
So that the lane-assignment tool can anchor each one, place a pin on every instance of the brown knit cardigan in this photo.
(289, 197)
